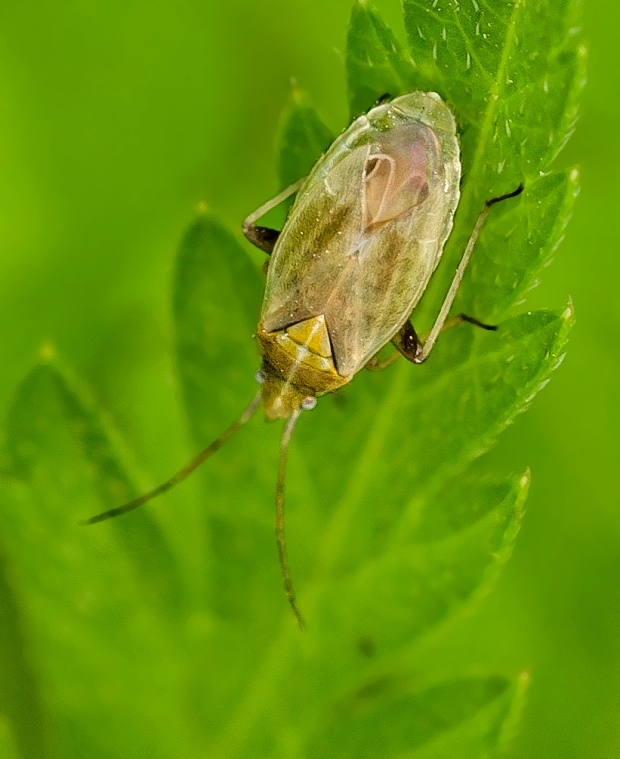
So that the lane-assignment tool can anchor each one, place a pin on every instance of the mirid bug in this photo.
(353, 259)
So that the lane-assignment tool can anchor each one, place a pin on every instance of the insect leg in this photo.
(407, 342)
(465, 319)
(409, 345)
(385, 98)
(263, 237)
(374, 365)
(424, 352)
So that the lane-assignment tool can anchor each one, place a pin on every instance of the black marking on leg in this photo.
(507, 196)
(407, 342)
(477, 322)
(264, 238)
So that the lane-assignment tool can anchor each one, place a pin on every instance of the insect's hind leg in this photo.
(265, 238)
(465, 319)
(409, 345)
(440, 321)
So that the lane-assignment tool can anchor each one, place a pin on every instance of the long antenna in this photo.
(185, 472)
(286, 572)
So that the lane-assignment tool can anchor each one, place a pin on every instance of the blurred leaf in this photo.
(407, 722)
(216, 306)
(392, 533)
(46, 400)
(23, 719)
(302, 139)
(484, 734)
(99, 604)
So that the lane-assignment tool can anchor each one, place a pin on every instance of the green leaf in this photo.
(517, 244)
(302, 139)
(512, 71)
(46, 400)
(129, 639)
(386, 546)
(486, 733)
(25, 726)
(376, 63)
(216, 307)
(513, 74)
(99, 603)
(403, 722)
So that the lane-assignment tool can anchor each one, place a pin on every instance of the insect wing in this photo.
(368, 228)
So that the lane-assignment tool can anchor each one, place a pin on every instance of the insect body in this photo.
(359, 246)
(355, 255)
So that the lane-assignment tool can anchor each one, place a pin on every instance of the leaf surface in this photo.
(394, 534)
(99, 603)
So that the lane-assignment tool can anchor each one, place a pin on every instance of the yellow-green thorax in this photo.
(298, 363)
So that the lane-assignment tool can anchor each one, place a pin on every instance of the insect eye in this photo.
(308, 403)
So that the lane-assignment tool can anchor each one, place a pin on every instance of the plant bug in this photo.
(354, 257)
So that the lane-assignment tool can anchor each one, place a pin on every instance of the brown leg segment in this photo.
(409, 345)
(263, 237)
(461, 318)
(407, 342)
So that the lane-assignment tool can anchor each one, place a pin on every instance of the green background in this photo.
(118, 118)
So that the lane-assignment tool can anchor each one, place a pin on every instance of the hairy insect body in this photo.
(357, 251)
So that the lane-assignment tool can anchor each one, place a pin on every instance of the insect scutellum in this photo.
(356, 253)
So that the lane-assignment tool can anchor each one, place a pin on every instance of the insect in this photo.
(353, 259)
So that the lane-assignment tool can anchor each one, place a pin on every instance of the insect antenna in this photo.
(284, 566)
(185, 472)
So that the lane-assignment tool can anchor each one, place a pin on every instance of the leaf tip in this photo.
(525, 480)
(510, 727)
(47, 352)
(568, 314)
(298, 98)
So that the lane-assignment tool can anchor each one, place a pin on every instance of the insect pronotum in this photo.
(353, 259)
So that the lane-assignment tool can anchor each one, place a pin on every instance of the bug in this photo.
(354, 257)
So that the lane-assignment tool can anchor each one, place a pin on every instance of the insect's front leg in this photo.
(265, 238)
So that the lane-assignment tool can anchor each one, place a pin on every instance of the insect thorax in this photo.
(298, 362)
